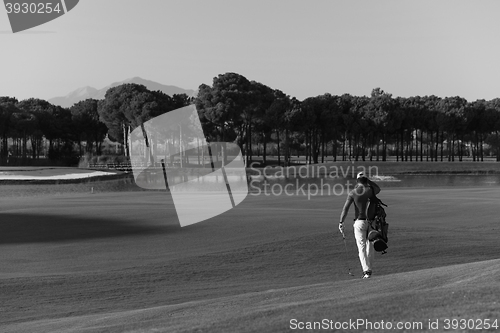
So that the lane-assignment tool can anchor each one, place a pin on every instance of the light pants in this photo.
(365, 247)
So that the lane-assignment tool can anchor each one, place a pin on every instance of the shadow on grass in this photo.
(32, 228)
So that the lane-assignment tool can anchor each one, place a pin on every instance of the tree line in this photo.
(352, 127)
(34, 129)
(262, 121)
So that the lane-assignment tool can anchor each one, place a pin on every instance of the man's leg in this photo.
(370, 253)
(360, 228)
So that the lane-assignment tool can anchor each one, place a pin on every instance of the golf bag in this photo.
(377, 232)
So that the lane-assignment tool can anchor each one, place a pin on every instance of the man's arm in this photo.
(374, 186)
(347, 204)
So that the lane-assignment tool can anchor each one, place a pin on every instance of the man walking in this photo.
(361, 195)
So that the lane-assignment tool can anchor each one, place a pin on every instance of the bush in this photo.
(64, 154)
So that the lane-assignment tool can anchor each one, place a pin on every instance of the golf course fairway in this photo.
(118, 261)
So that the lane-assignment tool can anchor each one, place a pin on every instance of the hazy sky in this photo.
(304, 48)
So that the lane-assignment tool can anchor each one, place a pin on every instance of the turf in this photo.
(461, 292)
(389, 168)
(120, 260)
(25, 188)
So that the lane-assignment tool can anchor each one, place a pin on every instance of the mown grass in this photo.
(24, 188)
(385, 168)
(120, 262)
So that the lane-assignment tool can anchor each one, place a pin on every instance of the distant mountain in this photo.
(81, 94)
(74, 96)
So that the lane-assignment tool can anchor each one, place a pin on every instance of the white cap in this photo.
(361, 175)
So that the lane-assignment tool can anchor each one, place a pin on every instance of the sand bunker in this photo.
(50, 174)
(67, 176)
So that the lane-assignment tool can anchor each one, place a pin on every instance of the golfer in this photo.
(361, 195)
